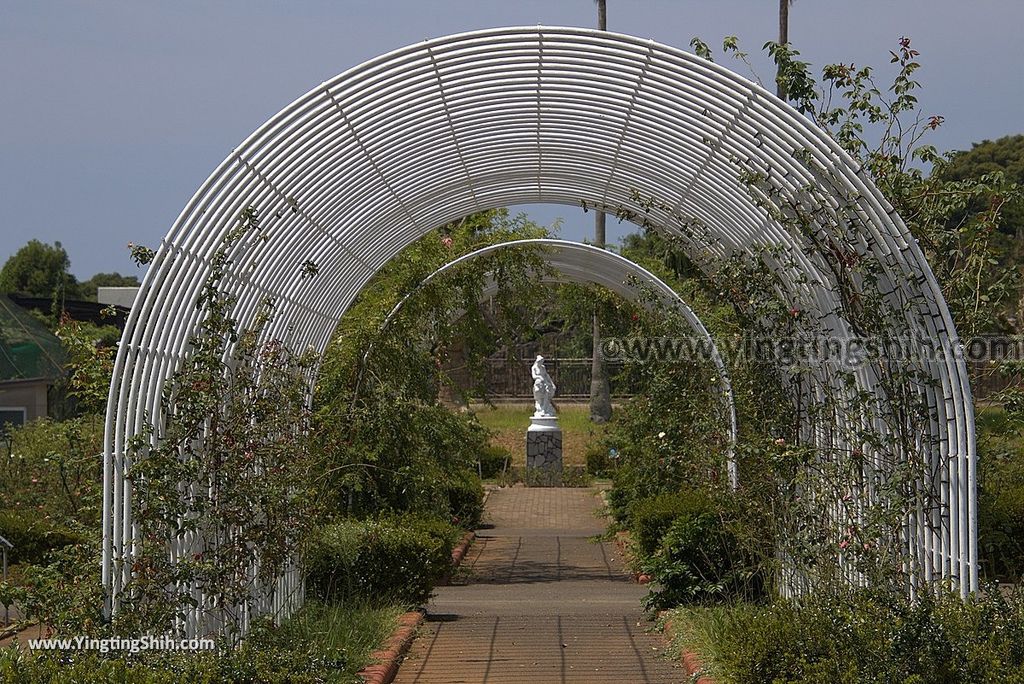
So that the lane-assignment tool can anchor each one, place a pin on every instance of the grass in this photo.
(508, 423)
(700, 629)
(995, 429)
(352, 630)
(319, 644)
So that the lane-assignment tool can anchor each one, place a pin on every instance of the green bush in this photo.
(864, 636)
(699, 560)
(669, 435)
(53, 470)
(650, 518)
(33, 537)
(1001, 494)
(493, 461)
(687, 542)
(430, 526)
(1001, 530)
(638, 476)
(386, 560)
(465, 499)
(64, 594)
(391, 455)
(319, 644)
(599, 462)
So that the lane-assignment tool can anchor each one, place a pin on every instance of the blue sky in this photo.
(112, 113)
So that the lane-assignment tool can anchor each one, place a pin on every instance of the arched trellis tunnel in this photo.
(365, 163)
(575, 262)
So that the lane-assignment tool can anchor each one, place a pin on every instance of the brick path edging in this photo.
(387, 659)
(690, 660)
(459, 552)
(622, 540)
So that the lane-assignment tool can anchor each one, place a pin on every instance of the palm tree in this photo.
(600, 392)
(783, 39)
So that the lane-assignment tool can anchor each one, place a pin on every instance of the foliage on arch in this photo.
(813, 513)
(243, 464)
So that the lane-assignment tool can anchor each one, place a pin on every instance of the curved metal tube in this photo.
(577, 262)
(365, 163)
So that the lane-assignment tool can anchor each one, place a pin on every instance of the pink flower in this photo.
(843, 544)
(780, 442)
(447, 241)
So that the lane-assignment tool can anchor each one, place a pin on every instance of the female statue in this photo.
(543, 389)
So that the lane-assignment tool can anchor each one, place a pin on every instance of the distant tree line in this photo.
(42, 270)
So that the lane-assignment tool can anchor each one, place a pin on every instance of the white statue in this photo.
(543, 389)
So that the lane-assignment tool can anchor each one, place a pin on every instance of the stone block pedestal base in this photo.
(544, 451)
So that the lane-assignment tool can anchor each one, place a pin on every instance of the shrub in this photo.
(698, 560)
(53, 469)
(641, 475)
(394, 455)
(319, 644)
(430, 526)
(1001, 494)
(599, 462)
(396, 560)
(64, 594)
(865, 636)
(33, 537)
(688, 543)
(493, 460)
(1001, 530)
(650, 518)
(465, 499)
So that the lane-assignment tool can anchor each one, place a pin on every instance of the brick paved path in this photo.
(537, 601)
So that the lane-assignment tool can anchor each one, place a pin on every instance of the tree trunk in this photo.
(780, 89)
(600, 392)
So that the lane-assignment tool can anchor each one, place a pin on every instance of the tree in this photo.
(90, 287)
(780, 88)
(1005, 156)
(39, 270)
(600, 391)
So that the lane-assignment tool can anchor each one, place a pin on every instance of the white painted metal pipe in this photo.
(367, 162)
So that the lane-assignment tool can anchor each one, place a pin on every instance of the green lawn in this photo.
(508, 422)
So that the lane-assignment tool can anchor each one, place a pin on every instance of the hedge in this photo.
(33, 538)
(385, 560)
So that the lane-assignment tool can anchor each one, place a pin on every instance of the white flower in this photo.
(661, 435)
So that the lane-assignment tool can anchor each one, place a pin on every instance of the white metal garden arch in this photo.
(366, 162)
(576, 262)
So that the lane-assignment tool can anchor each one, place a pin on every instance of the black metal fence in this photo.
(506, 378)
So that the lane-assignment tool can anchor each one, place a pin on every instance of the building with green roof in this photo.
(32, 361)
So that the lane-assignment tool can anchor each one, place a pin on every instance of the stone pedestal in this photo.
(544, 450)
